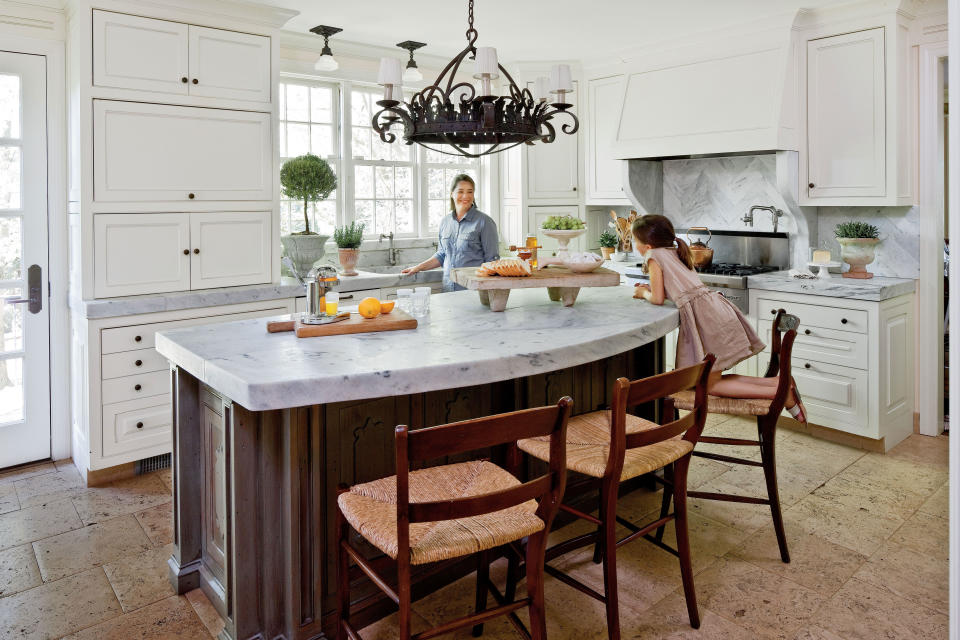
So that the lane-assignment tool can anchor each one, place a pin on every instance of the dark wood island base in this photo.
(254, 492)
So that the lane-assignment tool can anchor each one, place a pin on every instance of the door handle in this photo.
(34, 288)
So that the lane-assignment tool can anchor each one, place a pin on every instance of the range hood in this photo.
(722, 95)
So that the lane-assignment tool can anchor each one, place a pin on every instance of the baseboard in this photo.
(833, 435)
(100, 477)
(916, 422)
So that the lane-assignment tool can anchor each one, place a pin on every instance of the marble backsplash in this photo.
(898, 256)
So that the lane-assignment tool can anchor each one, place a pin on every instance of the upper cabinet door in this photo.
(605, 174)
(140, 253)
(230, 249)
(130, 52)
(154, 152)
(846, 115)
(552, 169)
(231, 65)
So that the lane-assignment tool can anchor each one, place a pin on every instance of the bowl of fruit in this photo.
(563, 229)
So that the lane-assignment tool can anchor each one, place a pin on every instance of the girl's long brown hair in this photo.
(657, 231)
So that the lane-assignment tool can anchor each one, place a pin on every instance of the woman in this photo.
(468, 237)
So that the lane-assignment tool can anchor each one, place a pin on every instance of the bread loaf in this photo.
(511, 267)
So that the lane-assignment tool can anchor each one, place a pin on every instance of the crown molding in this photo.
(246, 11)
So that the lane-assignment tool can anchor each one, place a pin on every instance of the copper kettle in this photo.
(702, 253)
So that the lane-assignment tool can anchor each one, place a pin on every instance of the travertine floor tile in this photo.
(141, 579)
(869, 494)
(58, 608)
(912, 575)
(669, 619)
(66, 463)
(857, 530)
(167, 476)
(122, 497)
(8, 498)
(34, 523)
(50, 487)
(925, 533)
(702, 471)
(861, 611)
(923, 449)
(169, 619)
(815, 563)
(708, 538)
(939, 503)
(923, 479)
(386, 628)
(205, 611)
(18, 570)
(454, 601)
(79, 550)
(816, 633)
(813, 457)
(766, 604)
(158, 523)
(26, 472)
(750, 481)
(746, 517)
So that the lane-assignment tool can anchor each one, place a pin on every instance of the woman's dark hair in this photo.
(657, 231)
(461, 177)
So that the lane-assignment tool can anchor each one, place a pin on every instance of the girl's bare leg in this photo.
(738, 386)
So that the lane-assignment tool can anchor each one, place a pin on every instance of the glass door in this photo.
(24, 314)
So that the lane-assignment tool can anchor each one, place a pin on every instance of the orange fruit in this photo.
(369, 307)
(387, 307)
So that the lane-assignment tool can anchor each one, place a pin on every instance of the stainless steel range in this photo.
(736, 256)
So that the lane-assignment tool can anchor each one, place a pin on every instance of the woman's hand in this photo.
(409, 271)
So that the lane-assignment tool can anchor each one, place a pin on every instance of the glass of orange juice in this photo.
(331, 303)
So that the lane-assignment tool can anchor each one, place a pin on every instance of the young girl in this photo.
(709, 323)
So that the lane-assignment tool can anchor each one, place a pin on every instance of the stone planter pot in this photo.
(348, 260)
(607, 252)
(304, 250)
(858, 253)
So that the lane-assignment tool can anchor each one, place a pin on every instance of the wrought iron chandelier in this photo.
(454, 117)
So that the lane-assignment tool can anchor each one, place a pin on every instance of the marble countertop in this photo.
(462, 344)
(875, 289)
(287, 288)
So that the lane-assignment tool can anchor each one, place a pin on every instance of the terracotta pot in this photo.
(304, 250)
(858, 253)
(348, 260)
(607, 252)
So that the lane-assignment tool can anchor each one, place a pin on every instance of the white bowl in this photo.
(565, 234)
(582, 267)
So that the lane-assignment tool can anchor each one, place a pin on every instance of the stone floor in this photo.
(868, 536)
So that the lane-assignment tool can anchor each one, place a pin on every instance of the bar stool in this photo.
(449, 511)
(613, 446)
(767, 412)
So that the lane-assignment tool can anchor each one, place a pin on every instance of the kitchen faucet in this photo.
(393, 253)
(777, 213)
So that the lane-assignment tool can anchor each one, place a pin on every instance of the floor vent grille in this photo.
(153, 464)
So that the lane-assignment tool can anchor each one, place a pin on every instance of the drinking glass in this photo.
(403, 299)
(332, 301)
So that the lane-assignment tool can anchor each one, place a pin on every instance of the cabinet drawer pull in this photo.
(811, 185)
(843, 321)
(574, 188)
(186, 252)
(191, 196)
(137, 387)
(349, 296)
(806, 331)
(137, 338)
(806, 365)
(139, 363)
(195, 81)
(773, 312)
(183, 80)
(139, 425)
(196, 251)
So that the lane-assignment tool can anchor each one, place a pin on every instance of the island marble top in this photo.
(462, 344)
(874, 289)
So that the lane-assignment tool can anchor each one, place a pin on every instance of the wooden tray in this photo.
(393, 321)
(560, 282)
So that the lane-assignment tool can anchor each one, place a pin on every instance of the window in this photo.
(309, 123)
(395, 187)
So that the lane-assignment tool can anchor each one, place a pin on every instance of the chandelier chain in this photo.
(470, 31)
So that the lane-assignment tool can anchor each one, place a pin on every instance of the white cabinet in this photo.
(141, 253)
(131, 52)
(145, 54)
(552, 170)
(535, 218)
(229, 249)
(138, 253)
(605, 174)
(153, 152)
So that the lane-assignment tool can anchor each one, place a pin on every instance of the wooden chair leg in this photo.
(667, 495)
(513, 573)
(343, 577)
(608, 514)
(598, 546)
(536, 548)
(404, 593)
(483, 576)
(683, 540)
(768, 428)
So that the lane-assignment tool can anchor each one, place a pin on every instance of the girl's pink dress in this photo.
(709, 323)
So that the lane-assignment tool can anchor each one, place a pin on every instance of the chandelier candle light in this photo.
(450, 117)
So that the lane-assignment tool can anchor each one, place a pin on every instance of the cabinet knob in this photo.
(191, 196)
(196, 251)
(137, 338)
(139, 425)
(806, 331)
(843, 321)
(195, 81)
(137, 387)
(806, 366)
(183, 79)
(186, 252)
(139, 363)
(574, 188)
(773, 312)
(811, 185)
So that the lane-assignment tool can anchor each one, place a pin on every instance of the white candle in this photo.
(821, 256)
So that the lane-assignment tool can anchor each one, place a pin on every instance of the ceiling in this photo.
(532, 30)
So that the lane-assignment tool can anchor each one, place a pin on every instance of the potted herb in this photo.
(608, 243)
(858, 246)
(348, 239)
(310, 179)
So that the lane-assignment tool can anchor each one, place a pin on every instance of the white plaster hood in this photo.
(714, 95)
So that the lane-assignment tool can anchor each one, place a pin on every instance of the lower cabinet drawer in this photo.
(815, 315)
(816, 344)
(835, 397)
(142, 385)
(131, 363)
(354, 297)
(138, 425)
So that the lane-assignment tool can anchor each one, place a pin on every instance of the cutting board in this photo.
(553, 276)
(393, 321)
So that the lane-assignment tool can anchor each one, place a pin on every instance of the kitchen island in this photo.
(267, 426)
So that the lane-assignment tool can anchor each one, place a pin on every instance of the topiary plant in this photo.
(308, 178)
(608, 239)
(856, 230)
(350, 236)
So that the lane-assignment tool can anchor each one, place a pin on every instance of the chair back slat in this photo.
(661, 433)
(662, 385)
(477, 505)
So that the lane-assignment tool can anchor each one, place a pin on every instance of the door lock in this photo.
(34, 300)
